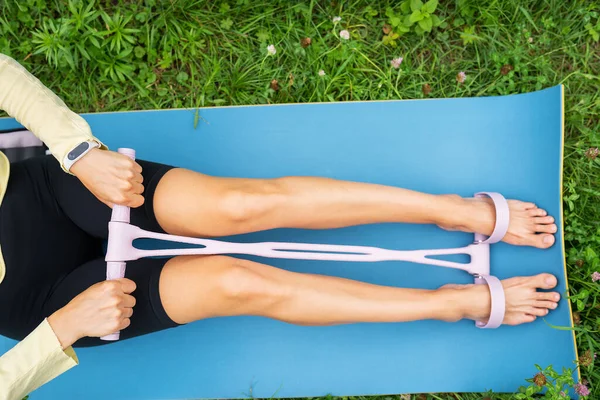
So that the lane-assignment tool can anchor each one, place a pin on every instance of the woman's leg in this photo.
(193, 288)
(192, 204)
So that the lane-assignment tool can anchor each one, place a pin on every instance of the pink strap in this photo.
(502, 218)
(498, 306)
(19, 139)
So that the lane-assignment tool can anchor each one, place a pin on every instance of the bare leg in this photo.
(194, 288)
(189, 203)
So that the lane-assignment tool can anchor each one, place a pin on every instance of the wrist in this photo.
(79, 153)
(78, 166)
(64, 328)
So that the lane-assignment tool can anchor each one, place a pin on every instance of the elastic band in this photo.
(498, 302)
(502, 217)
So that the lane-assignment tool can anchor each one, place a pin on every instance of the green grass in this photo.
(147, 54)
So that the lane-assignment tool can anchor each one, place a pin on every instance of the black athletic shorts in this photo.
(52, 231)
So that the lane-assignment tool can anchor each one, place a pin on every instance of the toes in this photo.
(544, 281)
(543, 220)
(537, 212)
(547, 296)
(540, 312)
(545, 228)
(521, 319)
(528, 318)
(528, 206)
(541, 241)
(547, 240)
(550, 305)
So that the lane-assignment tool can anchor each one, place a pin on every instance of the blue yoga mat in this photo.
(510, 144)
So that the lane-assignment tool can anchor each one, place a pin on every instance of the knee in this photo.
(250, 203)
(242, 284)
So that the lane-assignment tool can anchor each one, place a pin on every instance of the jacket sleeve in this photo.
(41, 111)
(35, 360)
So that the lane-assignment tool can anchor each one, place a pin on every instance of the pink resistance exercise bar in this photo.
(122, 235)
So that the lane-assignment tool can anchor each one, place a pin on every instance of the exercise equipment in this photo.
(122, 236)
(508, 144)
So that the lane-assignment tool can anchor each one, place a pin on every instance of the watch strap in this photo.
(78, 152)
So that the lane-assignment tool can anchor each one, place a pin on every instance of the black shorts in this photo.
(52, 232)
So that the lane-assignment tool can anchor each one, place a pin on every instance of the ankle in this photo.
(481, 215)
(456, 212)
(453, 306)
(463, 302)
(476, 302)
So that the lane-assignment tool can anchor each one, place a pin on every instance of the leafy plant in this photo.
(593, 30)
(580, 299)
(370, 12)
(396, 27)
(468, 35)
(414, 15)
(51, 41)
(69, 40)
(226, 24)
(421, 14)
(548, 384)
(117, 35)
(467, 10)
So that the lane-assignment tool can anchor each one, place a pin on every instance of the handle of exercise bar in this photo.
(116, 270)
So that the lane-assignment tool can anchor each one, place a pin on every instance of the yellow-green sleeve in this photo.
(34, 361)
(41, 111)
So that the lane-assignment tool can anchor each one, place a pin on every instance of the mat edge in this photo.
(196, 109)
(562, 215)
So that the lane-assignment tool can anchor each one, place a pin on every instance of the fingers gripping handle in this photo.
(116, 270)
(121, 213)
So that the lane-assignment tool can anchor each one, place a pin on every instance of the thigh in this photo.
(90, 214)
(148, 314)
(198, 287)
(189, 203)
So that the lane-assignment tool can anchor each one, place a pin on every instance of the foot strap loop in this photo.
(502, 218)
(498, 306)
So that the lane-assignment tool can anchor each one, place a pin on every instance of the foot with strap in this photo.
(498, 300)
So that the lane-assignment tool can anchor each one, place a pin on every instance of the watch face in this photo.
(77, 151)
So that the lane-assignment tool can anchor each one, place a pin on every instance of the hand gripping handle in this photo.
(116, 270)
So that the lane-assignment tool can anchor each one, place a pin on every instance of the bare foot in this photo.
(529, 225)
(523, 301)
